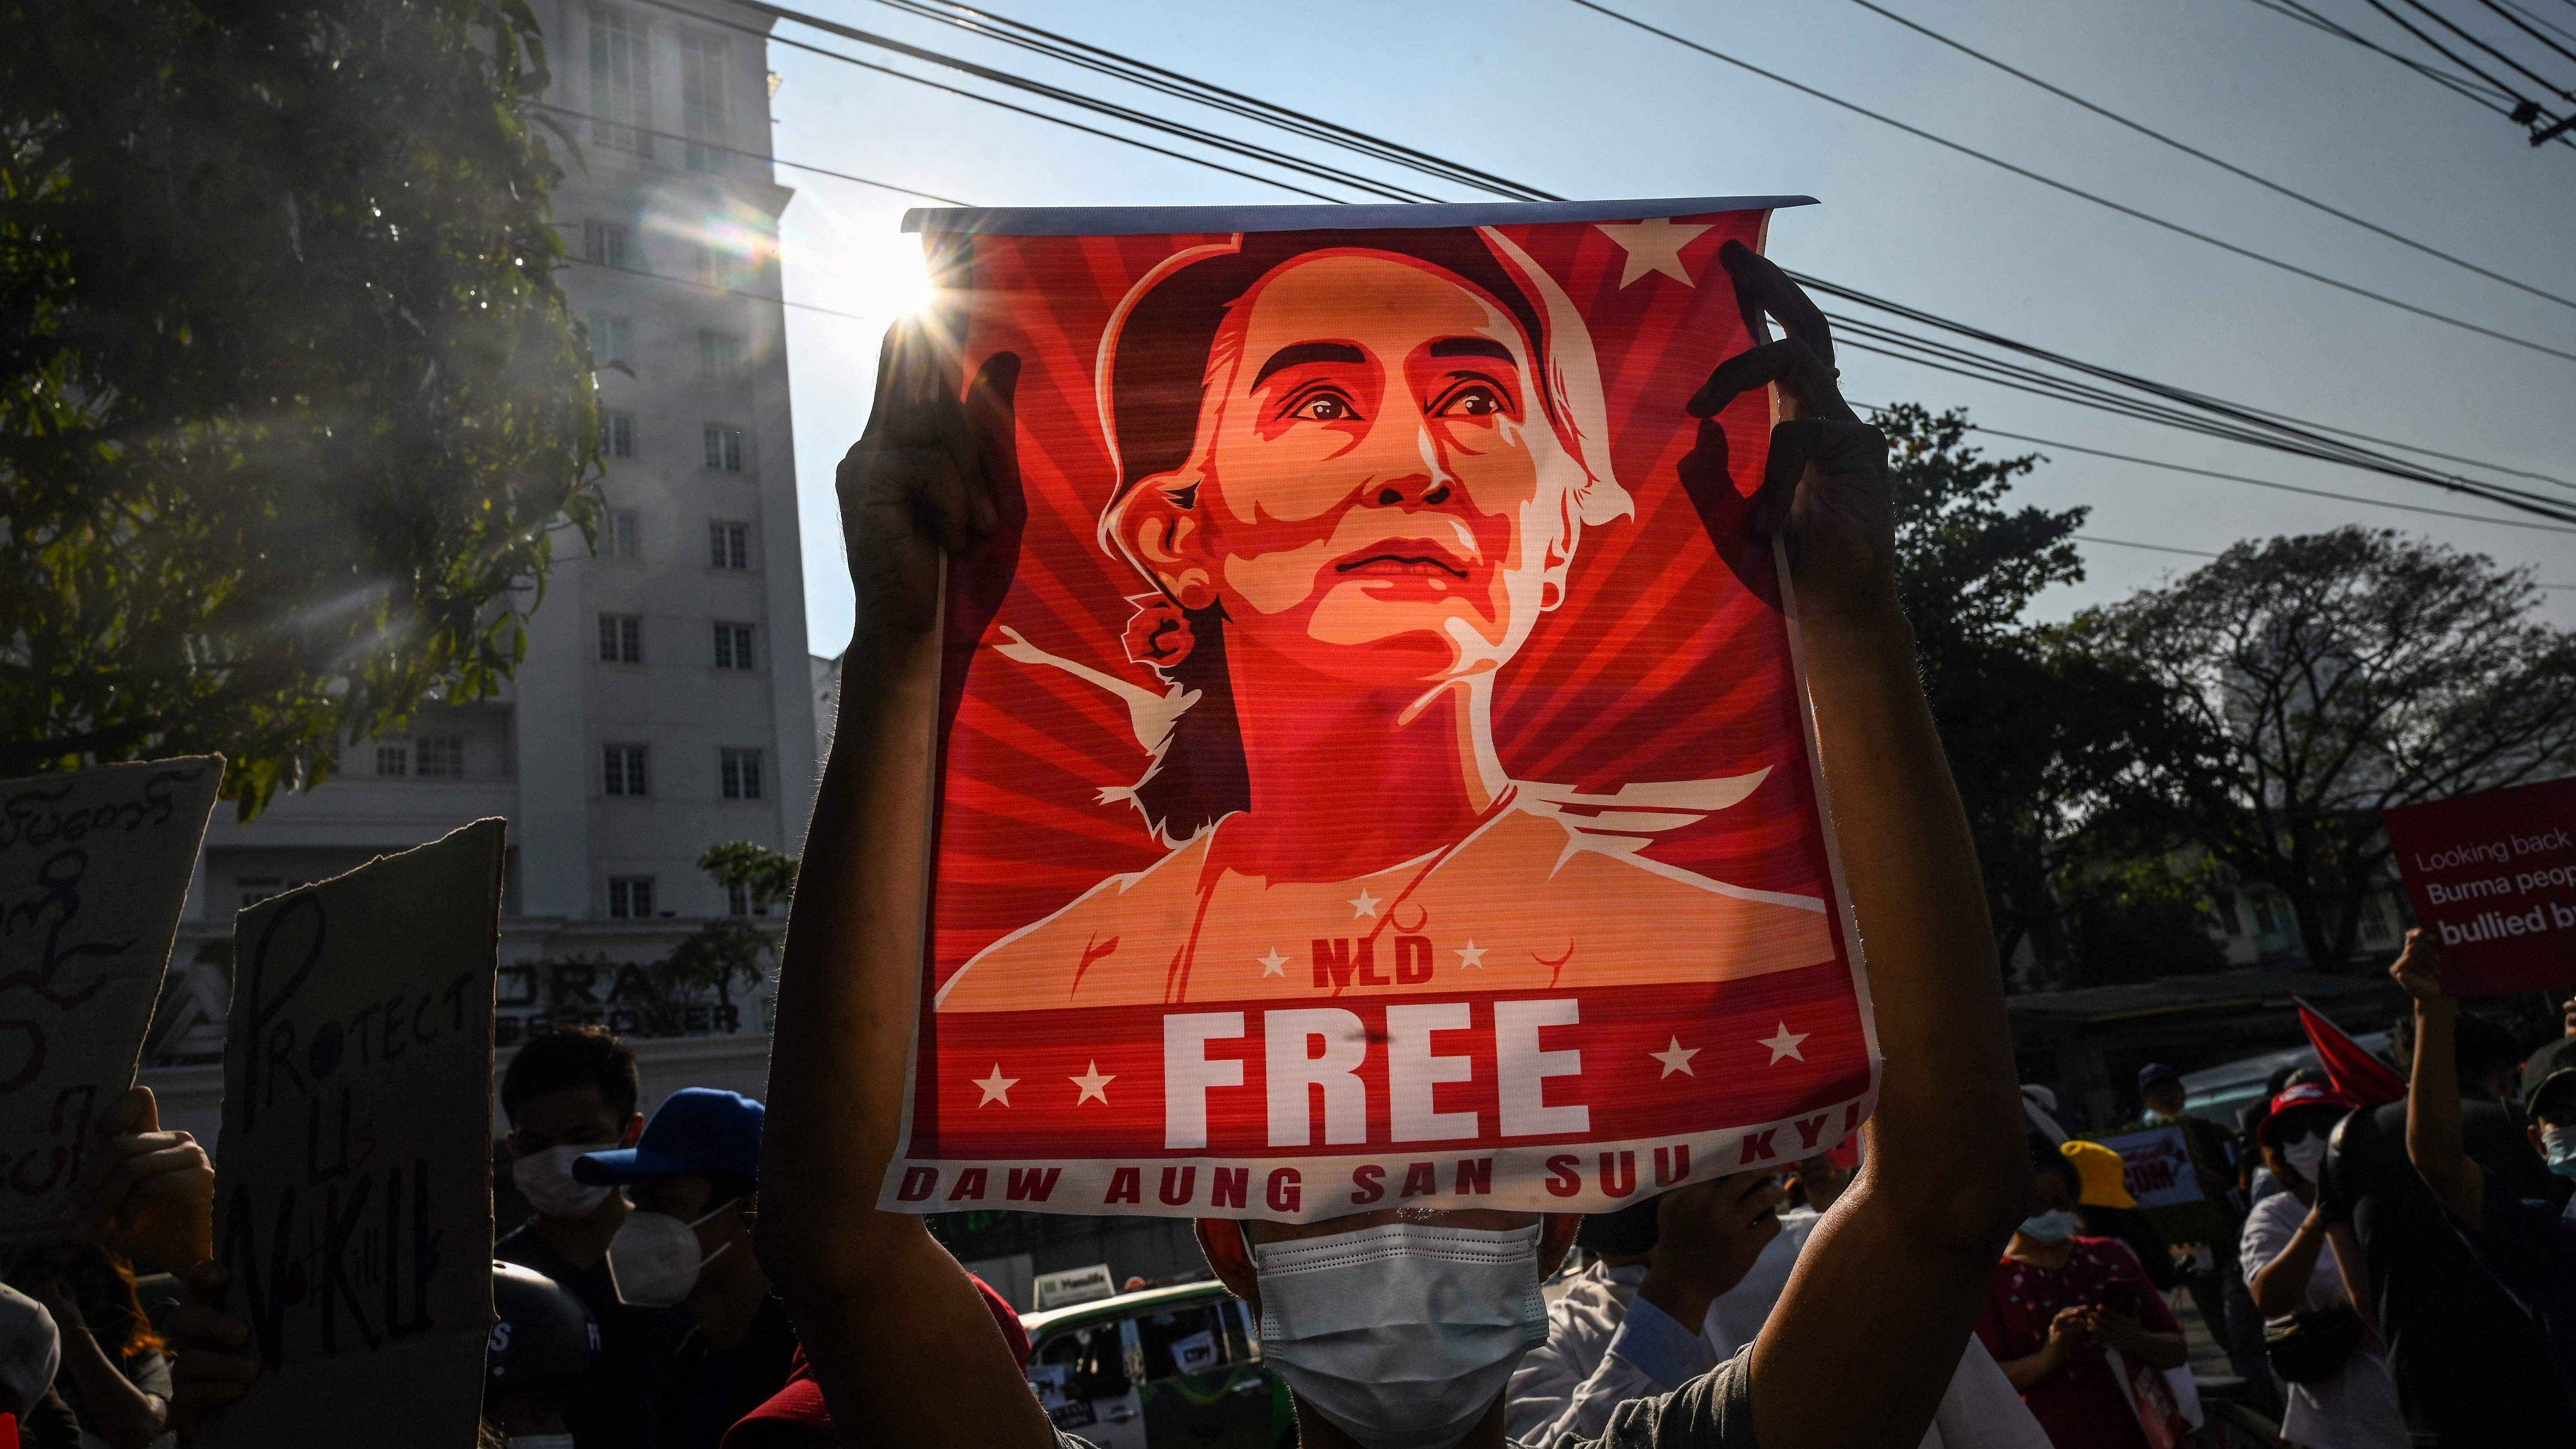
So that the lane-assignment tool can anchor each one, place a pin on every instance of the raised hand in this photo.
(150, 1194)
(1825, 490)
(927, 476)
(2418, 970)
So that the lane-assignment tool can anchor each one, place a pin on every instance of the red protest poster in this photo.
(2494, 874)
(1373, 769)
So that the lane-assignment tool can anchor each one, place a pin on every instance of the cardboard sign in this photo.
(353, 1195)
(2495, 875)
(94, 869)
(2158, 1167)
(1374, 765)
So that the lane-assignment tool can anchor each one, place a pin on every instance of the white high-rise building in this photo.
(666, 703)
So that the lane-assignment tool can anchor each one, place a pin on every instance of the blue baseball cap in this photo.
(696, 1129)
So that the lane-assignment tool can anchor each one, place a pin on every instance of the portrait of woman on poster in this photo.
(1354, 471)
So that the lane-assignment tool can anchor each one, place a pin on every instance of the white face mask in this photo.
(545, 1179)
(2054, 1226)
(654, 1259)
(2305, 1153)
(1401, 1335)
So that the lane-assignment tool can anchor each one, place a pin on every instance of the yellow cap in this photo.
(2105, 1176)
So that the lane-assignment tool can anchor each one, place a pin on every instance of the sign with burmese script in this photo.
(1374, 769)
(353, 1197)
(94, 869)
(2494, 876)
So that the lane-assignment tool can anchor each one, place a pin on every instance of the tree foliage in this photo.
(289, 395)
(2038, 731)
(730, 948)
(2320, 680)
(769, 875)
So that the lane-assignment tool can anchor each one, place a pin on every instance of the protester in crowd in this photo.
(2557, 1054)
(693, 1176)
(2527, 1243)
(114, 1376)
(30, 1358)
(543, 1356)
(2486, 1068)
(2076, 1324)
(1683, 1249)
(796, 1416)
(1820, 1181)
(1865, 1341)
(2107, 1209)
(2338, 1390)
(2208, 1228)
(568, 1091)
(2254, 1177)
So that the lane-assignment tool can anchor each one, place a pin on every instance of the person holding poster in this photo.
(1395, 1326)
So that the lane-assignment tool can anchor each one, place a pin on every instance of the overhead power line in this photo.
(2502, 100)
(2453, 26)
(2073, 190)
(2227, 166)
(2518, 23)
(570, 114)
(2163, 403)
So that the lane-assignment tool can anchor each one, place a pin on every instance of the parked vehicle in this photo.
(1160, 1368)
(2222, 1093)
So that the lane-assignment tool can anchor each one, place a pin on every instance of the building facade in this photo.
(666, 702)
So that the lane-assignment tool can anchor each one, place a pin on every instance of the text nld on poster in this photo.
(1373, 765)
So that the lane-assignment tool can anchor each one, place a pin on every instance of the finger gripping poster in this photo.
(1374, 771)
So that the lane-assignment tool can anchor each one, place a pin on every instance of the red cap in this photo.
(2307, 1094)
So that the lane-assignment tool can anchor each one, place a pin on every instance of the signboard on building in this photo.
(1073, 1285)
(2494, 876)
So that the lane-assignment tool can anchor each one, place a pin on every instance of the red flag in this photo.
(2350, 1068)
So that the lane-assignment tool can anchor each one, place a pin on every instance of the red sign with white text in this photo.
(2494, 875)
(1374, 771)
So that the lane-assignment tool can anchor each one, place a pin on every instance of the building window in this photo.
(704, 116)
(2267, 920)
(630, 897)
(719, 356)
(734, 647)
(392, 761)
(621, 82)
(724, 448)
(621, 638)
(2375, 925)
(724, 267)
(440, 757)
(739, 771)
(619, 435)
(739, 902)
(603, 242)
(623, 769)
(612, 341)
(728, 545)
(2224, 903)
(624, 538)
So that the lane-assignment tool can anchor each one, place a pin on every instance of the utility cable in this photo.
(2518, 23)
(570, 113)
(2530, 14)
(2076, 191)
(2521, 111)
(2193, 151)
(2453, 26)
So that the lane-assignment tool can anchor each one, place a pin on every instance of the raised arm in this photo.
(884, 1312)
(2433, 1091)
(1869, 1332)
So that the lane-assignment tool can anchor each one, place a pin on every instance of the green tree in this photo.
(290, 400)
(769, 876)
(2325, 678)
(730, 948)
(2038, 728)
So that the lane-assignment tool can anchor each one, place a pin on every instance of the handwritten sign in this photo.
(2158, 1163)
(2494, 875)
(353, 1201)
(94, 869)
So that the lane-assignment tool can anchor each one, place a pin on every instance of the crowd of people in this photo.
(721, 1277)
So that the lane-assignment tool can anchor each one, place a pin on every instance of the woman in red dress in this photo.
(2078, 1327)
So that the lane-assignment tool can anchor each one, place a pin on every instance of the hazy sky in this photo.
(1567, 100)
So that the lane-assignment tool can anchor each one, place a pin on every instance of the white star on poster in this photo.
(1653, 245)
(1473, 955)
(1784, 1043)
(1273, 964)
(997, 1088)
(1094, 1084)
(1676, 1058)
(1363, 904)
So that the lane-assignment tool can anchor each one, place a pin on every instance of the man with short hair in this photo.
(2214, 1223)
(565, 1092)
(688, 1244)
